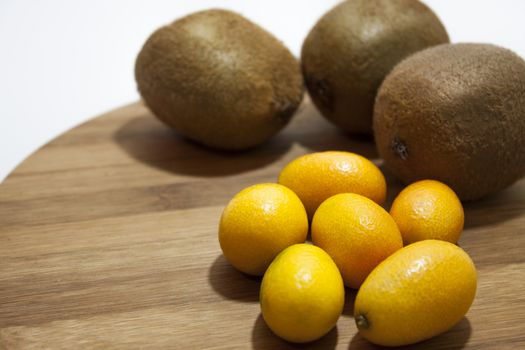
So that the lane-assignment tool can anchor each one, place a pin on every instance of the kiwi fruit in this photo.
(351, 49)
(219, 79)
(455, 113)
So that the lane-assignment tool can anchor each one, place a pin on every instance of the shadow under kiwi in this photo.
(233, 284)
(393, 185)
(264, 338)
(318, 134)
(149, 141)
(454, 339)
(497, 208)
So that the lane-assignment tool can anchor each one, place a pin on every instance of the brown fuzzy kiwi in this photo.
(455, 113)
(219, 79)
(352, 48)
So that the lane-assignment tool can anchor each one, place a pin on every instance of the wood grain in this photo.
(108, 240)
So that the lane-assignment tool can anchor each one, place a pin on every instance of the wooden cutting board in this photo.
(108, 239)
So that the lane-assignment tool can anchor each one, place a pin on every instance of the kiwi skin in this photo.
(219, 79)
(350, 50)
(455, 113)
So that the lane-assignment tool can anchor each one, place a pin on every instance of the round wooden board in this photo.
(108, 239)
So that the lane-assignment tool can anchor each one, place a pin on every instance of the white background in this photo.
(63, 62)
